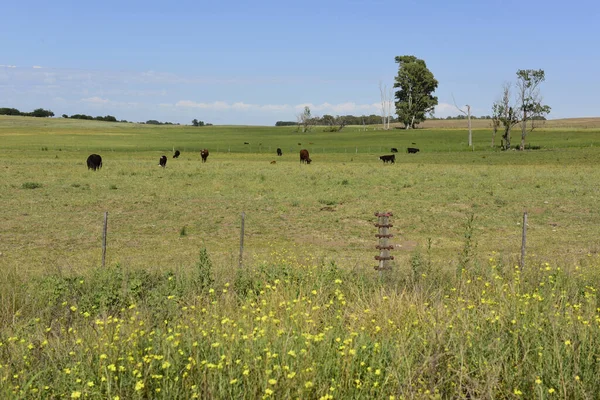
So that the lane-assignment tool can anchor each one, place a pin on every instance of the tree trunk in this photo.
(494, 135)
(506, 137)
(469, 118)
(523, 132)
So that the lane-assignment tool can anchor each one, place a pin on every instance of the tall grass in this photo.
(284, 328)
(455, 318)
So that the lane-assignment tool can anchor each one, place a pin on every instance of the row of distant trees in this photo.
(108, 118)
(335, 122)
(195, 122)
(464, 117)
(38, 112)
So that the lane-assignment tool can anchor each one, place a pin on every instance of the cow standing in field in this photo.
(304, 157)
(412, 150)
(279, 152)
(394, 150)
(94, 162)
(177, 153)
(163, 161)
(388, 159)
(204, 154)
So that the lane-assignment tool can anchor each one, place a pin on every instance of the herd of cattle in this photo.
(94, 161)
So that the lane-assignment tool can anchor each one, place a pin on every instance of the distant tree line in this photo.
(330, 120)
(107, 118)
(38, 112)
(195, 122)
(537, 117)
(155, 122)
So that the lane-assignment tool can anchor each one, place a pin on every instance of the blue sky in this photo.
(234, 62)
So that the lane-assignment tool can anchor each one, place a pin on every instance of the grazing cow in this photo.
(204, 154)
(279, 152)
(388, 159)
(273, 162)
(394, 150)
(304, 157)
(177, 153)
(412, 150)
(94, 162)
(163, 161)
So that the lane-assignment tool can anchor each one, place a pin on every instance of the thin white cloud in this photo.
(445, 109)
(95, 100)
(36, 67)
(8, 66)
(326, 108)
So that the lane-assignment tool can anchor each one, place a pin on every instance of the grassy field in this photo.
(307, 317)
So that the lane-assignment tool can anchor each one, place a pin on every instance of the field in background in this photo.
(568, 123)
(172, 316)
(323, 210)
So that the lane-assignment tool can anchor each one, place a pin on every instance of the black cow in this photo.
(177, 153)
(204, 154)
(394, 150)
(279, 152)
(163, 161)
(304, 157)
(94, 161)
(388, 159)
(412, 150)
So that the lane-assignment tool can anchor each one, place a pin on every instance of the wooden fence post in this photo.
(104, 239)
(384, 247)
(524, 240)
(242, 240)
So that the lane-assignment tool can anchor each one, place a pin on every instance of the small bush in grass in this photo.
(31, 185)
(183, 231)
(328, 202)
(113, 187)
(203, 273)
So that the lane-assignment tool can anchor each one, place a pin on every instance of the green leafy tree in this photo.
(415, 98)
(530, 101)
(40, 112)
(9, 111)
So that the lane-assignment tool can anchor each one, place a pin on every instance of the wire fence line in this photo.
(223, 149)
(96, 238)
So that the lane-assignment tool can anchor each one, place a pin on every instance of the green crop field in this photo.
(173, 316)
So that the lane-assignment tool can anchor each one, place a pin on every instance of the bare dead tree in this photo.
(386, 104)
(509, 115)
(306, 120)
(495, 120)
(390, 106)
(341, 122)
(468, 114)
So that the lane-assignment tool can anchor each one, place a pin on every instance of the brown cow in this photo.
(204, 154)
(304, 157)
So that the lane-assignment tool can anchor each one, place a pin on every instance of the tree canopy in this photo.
(415, 98)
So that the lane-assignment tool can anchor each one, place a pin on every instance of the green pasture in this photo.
(20, 133)
(51, 205)
(172, 315)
